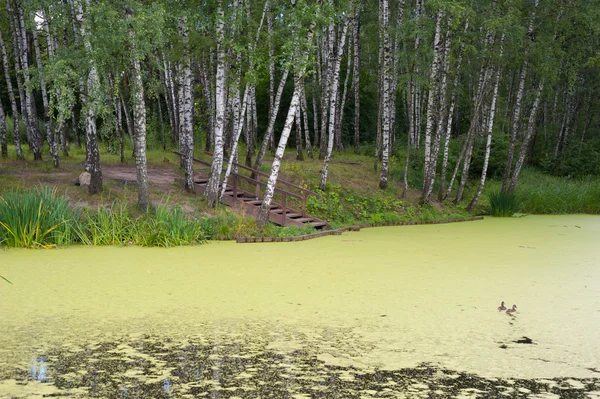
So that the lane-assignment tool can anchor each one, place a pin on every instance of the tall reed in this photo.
(35, 218)
(503, 204)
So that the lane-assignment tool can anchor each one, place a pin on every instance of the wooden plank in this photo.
(304, 220)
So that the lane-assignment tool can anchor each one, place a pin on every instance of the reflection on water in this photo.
(398, 312)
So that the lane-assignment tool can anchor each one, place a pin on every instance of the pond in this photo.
(396, 312)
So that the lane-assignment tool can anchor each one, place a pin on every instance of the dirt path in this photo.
(122, 173)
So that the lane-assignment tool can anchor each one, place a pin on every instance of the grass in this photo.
(543, 194)
(35, 218)
(503, 204)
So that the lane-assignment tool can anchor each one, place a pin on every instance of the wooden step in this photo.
(293, 215)
(304, 220)
(238, 194)
(254, 202)
(318, 224)
(201, 181)
(280, 211)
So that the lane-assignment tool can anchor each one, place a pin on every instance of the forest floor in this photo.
(351, 177)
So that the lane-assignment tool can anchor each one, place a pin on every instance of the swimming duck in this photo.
(501, 307)
(511, 311)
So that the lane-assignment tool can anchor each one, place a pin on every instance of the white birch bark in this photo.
(328, 60)
(304, 109)
(298, 123)
(17, 64)
(272, 118)
(315, 112)
(530, 131)
(450, 116)
(35, 138)
(356, 77)
(13, 101)
(490, 126)
(65, 103)
(236, 139)
(212, 188)
(432, 109)
(265, 208)
(89, 97)
(340, 118)
(336, 62)
(139, 116)
(443, 112)
(186, 123)
(470, 140)
(52, 138)
(385, 98)
(518, 101)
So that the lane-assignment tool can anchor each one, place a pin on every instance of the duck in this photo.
(501, 307)
(511, 311)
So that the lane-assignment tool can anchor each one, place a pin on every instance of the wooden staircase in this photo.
(280, 213)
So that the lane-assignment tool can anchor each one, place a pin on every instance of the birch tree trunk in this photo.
(327, 86)
(208, 96)
(12, 19)
(212, 188)
(52, 138)
(342, 104)
(385, 98)
(450, 115)
(265, 207)
(429, 168)
(272, 117)
(119, 116)
(89, 97)
(530, 132)
(299, 155)
(236, 139)
(35, 138)
(186, 135)
(490, 126)
(139, 116)
(336, 62)
(64, 110)
(315, 112)
(304, 109)
(3, 144)
(518, 100)
(470, 140)
(13, 101)
(356, 77)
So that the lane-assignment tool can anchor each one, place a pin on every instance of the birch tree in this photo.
(336, 61)
(212, 187)
(13, 101)
(89, 100)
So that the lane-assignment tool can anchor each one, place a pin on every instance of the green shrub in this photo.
(503, 204)
(35, 218)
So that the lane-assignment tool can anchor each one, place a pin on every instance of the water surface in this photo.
(386, 312)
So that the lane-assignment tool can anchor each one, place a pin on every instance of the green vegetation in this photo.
(542, 194)
(36, 218)
(39, 218)
(503, 204)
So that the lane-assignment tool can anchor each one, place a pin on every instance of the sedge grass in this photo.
(35, 218)
(503, 204)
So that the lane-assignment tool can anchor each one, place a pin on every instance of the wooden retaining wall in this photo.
(337, 232)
